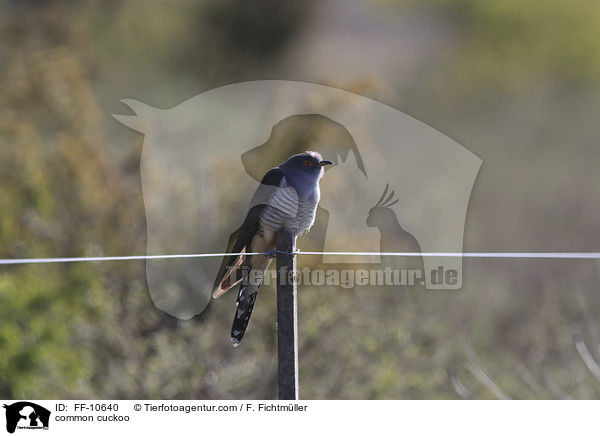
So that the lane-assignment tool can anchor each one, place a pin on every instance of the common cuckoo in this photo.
(287, 197)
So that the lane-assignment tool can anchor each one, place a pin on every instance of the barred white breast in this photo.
(285, 209)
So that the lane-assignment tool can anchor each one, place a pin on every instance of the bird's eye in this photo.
(307, 163)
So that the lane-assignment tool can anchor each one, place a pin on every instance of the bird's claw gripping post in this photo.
(273, 253)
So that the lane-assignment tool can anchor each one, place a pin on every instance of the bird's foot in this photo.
(273, 253)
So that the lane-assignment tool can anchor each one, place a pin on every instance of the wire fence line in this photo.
(491, 255)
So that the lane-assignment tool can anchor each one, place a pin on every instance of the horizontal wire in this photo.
(514, 255)
(109, 258)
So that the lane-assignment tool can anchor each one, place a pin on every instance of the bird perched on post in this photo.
(287, 197)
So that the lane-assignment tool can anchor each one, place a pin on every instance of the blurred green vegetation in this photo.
(514, 45)
(70, 186)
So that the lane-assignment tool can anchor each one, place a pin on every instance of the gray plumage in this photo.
(288, 197)
(286, 209)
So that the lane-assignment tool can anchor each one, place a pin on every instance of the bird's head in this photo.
(303, 171)
(309, 162)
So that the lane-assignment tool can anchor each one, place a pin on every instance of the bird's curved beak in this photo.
(325, 162)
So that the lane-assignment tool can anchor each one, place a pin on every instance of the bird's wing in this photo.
(240, 239)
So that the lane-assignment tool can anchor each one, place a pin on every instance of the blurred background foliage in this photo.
(515, 82)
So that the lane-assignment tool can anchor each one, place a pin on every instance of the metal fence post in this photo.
(287, 316)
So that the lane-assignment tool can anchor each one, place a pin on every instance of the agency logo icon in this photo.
(396, 185)
(26, 415)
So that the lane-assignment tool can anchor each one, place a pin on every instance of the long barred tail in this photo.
(244, 306)
(252, 274)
